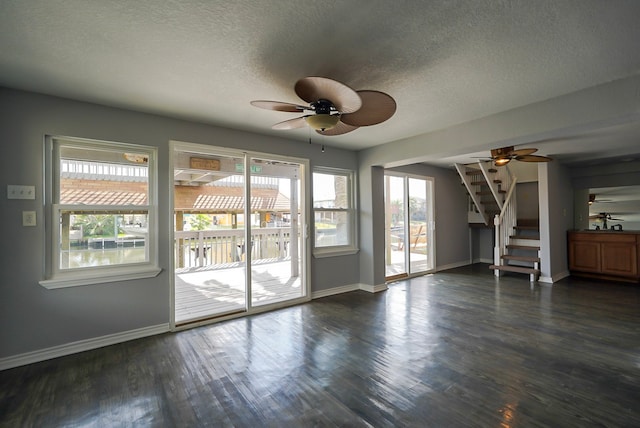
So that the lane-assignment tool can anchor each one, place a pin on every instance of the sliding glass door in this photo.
(238, 241)
(394, 200)
(276, 256)
(409, 230)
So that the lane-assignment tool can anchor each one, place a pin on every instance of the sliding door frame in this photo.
(430, 224)
(304, 211)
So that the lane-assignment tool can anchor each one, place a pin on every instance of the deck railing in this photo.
(226, 247)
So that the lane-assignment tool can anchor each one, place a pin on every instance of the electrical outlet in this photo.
(21, 192)
(28, 218)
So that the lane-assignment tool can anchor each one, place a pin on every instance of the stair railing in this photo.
(472, 189)
(507, 219)
(503, 176)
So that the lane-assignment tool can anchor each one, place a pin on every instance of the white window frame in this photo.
(55, 277)
(352, 246)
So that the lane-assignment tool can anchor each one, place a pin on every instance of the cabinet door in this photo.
(584, 256)
(619, 258)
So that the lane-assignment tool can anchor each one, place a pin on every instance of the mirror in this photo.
(617, 207)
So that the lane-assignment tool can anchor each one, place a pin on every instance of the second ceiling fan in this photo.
(505, 155)
(334, 108)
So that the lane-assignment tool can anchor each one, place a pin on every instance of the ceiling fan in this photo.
(333, 107)
(505, 155)
(604, 218)
(593, 199)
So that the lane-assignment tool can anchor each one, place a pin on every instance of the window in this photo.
(101, 212)
(334, 212)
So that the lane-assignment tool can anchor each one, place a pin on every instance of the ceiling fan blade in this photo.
(522, 152)
(376, 108)
(278, 106)
(298, 122)
(339, 129)
(312, 89)
(533, 158)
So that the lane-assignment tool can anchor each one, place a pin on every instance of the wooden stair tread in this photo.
(523, 247)
(474, 171)
(482, 182)
(532, 237)
(521, 258)
(526, 227)
(489, 192)
(517, 269)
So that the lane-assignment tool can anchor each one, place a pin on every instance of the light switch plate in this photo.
(21, 192)
(28, 218)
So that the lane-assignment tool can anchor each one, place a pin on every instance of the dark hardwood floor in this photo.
(459, 348)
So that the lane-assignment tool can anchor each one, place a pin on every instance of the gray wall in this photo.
(556, 218)
(482, 239)
(35, 318)
(527, 200)
(580, 209)
(607, 175)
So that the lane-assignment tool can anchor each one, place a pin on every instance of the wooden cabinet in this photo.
(584, 256)
(607, 255)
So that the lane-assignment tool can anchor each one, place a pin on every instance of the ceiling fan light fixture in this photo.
(337, 108)
(502, 152)
(322, 122)
(502, 161)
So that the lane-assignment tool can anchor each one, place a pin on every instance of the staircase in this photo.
(492, 194)
(486, 187)
(522, 251)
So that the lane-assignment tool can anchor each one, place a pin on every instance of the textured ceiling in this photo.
(445, 62)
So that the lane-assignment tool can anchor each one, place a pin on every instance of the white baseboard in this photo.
(481, 260)
(335, 290)
(348, 288)
(373, 288)
(554, 278)
(452, 266)
(80, 346)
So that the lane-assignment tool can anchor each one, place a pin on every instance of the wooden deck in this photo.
(419, 263)
(220, 289)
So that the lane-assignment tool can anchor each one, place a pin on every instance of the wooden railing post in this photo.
(498, 246)
(200, 248)
(281, 249)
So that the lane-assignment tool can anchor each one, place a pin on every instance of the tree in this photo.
(96, 224)
(200, 221)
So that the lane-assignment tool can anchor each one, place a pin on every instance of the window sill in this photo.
(320, 253)
(111, 275)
